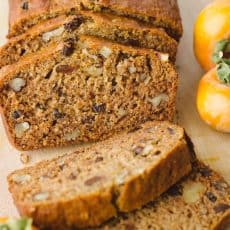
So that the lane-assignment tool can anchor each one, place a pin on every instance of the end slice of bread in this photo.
(94, 184)
(85, 91)
(199, 201)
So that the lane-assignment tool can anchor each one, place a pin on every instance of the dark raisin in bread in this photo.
(88, 187)
(73, 93)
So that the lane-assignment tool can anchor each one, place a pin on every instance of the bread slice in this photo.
(85, 92)
(92, 185)
(200, 201)
(160, 13)
(120, 29)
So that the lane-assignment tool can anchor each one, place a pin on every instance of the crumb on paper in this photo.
(24, 158)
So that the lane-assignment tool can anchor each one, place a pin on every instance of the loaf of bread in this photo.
(200, 201)
(116, 28)
(160, 13)
(94, 184)
(74, 93)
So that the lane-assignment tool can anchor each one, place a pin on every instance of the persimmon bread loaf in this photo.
(116, 28)
(94, 184)
(200, 201)
(159, 13)
(74, 93)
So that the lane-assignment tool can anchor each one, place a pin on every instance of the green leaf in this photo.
(223, 72)
(20, 224)
(221, 48)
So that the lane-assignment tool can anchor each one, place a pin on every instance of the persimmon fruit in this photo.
(212, 26)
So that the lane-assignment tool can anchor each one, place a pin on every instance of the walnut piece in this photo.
(46, 37)
(193, 191)
(21, 128)
(105, 52)
(41, 196)
(156, 101)
(17, 84)
(21, 179)
(73, 135)
(164, 57)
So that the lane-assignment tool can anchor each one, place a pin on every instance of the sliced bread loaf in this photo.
(200, 201)
(120, 29)
(82, 92)
(92, 185)
(160, 13)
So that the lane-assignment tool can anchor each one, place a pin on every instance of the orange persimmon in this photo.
(212, 25)
(213, 99)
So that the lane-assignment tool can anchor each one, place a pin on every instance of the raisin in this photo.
(135, 129)
(113, 222)
(124, 216)
(68, 48)
(99, 108)
(133, 42)
(88, 120)
(114, 83)
(74, 24)
(72, 176)
(57, 114)
(25, 5)
(130, 226)
(221, 208)
(170, 130)
(99, 159)
(61, 166)
(23, 51)
(93, 180)
(211, 196)
(16, 114)
(91, 95)
(176, 190)
(66, 69)
(48, 74)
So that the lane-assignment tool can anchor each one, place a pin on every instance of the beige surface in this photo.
(211, 146)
